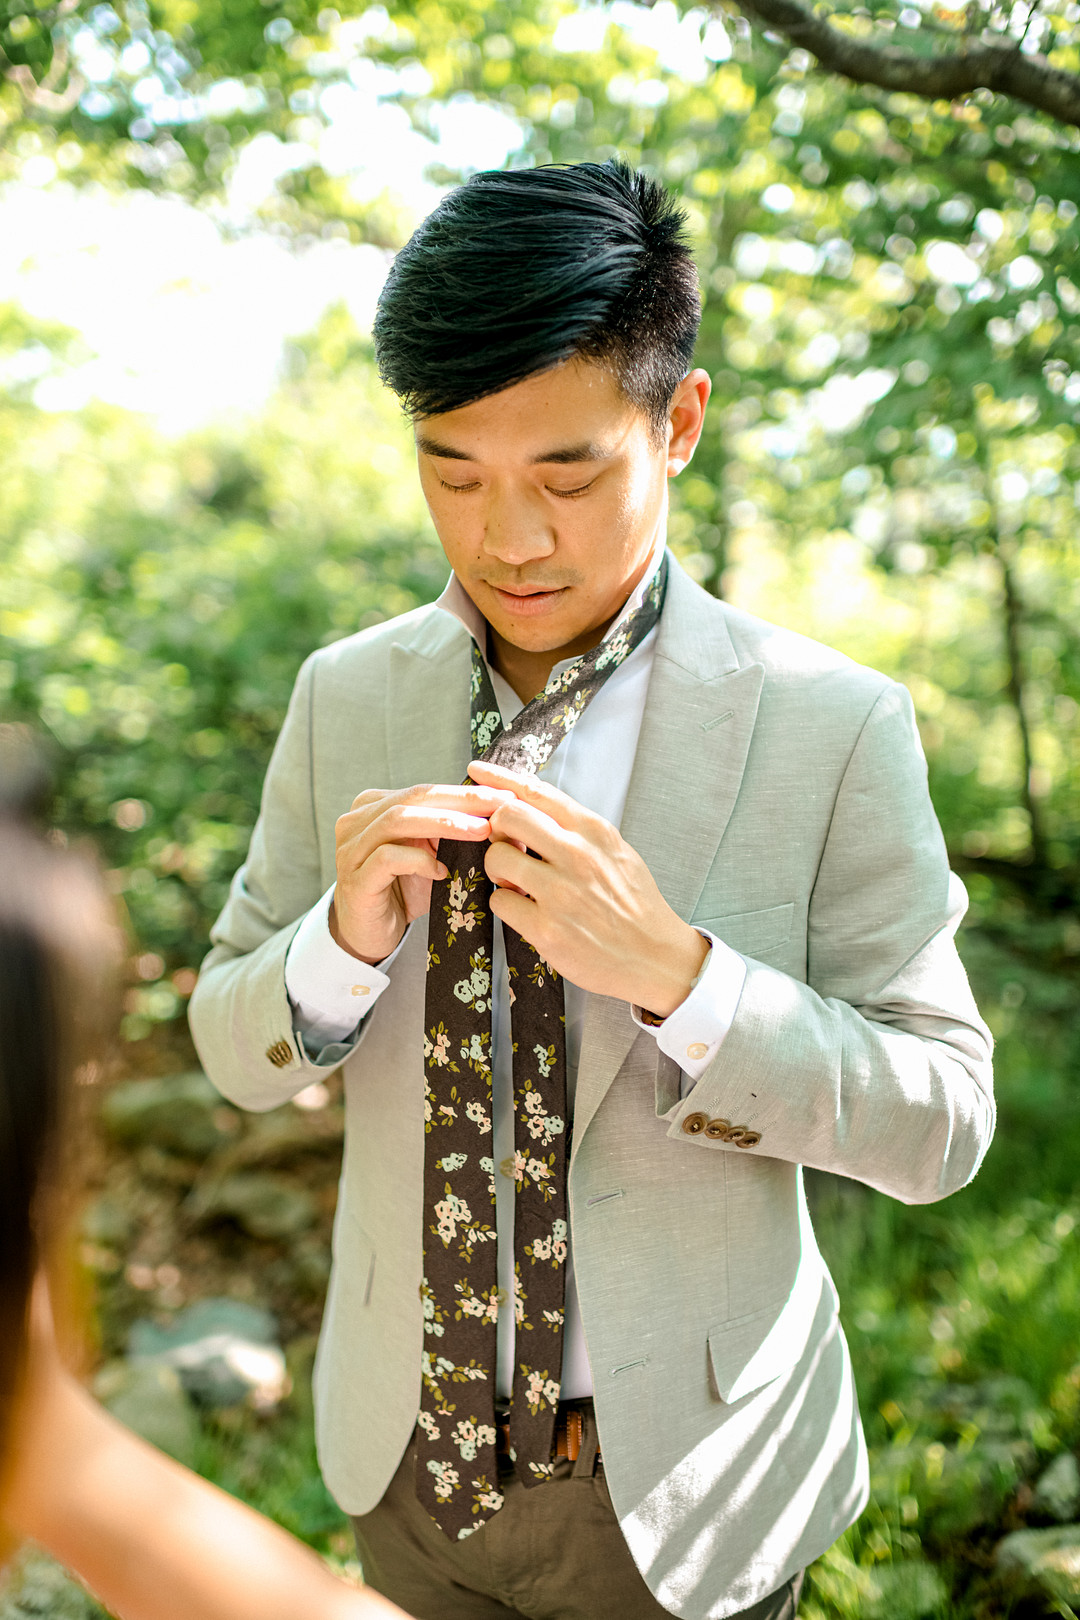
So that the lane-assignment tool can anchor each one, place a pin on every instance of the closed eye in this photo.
(571, 494)
(459, 489)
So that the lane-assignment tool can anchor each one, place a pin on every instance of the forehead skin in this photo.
(575, 413)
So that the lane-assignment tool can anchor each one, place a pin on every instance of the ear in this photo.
(687, 417)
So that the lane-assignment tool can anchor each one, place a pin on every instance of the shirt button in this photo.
(360, 990)
(697, 1049)
(506, 1168)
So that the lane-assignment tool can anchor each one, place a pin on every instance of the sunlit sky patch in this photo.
(186, 323)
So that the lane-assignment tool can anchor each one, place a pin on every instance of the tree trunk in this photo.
(1018, 694)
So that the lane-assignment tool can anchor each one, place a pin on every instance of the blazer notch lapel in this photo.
(427, 709)
(688, 770)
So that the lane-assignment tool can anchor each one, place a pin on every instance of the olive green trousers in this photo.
(554, 1552)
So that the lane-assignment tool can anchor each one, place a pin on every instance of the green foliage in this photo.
(158, 600)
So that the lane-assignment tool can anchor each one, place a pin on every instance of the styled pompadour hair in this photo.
(515, 272)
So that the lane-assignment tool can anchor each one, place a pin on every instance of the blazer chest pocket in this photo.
(752, 933)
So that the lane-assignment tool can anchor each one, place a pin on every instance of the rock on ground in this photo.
(1057, 1491)
(181, 1113)
(1047, 1560)
(222, 1351)
(149, 1399)
(41, 1589)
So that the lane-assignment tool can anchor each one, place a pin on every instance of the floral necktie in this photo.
(457, 1469)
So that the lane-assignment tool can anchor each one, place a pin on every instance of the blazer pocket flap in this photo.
(750, 1351)
(752, 932)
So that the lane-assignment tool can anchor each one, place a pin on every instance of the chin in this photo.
(536, 639)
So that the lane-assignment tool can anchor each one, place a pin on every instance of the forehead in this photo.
(574, 412)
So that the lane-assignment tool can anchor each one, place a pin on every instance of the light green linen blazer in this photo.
(779, 798)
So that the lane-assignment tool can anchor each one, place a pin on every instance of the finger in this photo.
(474, 798)
(369, 796)
(468, 797)
(558, 805)
(418, 821)
(398, 822)
(519, 912)
(524, 825)
(388, 862)
(508, 867)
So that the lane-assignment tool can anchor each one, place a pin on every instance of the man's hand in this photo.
(589, 904)
(387, 860)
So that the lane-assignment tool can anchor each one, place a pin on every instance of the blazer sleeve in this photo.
(879, 1067)
(240, 1015)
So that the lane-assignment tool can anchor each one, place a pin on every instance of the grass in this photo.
(964, 1325)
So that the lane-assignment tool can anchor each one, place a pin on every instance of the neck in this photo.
(527, 672)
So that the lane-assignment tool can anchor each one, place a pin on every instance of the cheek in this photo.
(635, 504)
(449, 515)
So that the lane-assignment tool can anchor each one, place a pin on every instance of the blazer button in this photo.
(694, 1124)
(749, 1139)
(718, 1128)
(280, 1054)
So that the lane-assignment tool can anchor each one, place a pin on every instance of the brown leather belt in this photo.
(569, 1433)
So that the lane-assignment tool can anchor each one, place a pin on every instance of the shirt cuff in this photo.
(330, 990)
(692, 1035)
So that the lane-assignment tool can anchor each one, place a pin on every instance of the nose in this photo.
(516, 528)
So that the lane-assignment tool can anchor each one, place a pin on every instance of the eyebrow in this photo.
(562, 455)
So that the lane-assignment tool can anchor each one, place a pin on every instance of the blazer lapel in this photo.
(691, 754)
(427, 711)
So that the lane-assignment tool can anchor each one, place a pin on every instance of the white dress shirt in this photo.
(331, 991)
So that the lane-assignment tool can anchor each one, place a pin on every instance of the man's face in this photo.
(549, 497)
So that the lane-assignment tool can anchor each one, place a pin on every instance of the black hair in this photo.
(58, 950)
(31, 1072)
(517, 271)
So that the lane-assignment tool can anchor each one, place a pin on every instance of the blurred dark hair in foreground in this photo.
(25, 777)
(59, 954)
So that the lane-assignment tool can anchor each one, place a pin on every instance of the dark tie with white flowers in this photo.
(457, 1478)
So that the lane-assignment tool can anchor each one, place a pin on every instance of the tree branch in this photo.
(40, 95)
(980, 65)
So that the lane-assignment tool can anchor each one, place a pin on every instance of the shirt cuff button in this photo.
(360, 990)
(697, 1049)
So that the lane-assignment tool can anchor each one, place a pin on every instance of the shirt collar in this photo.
(456, 601)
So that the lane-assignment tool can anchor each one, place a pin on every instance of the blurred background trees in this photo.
(891, 465)
(892, 325)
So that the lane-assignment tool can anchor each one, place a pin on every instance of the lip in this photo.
(528, 604)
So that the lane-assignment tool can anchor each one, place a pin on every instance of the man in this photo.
(581, 1356)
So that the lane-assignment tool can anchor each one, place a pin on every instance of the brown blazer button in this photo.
(740, 1136)
(694, 1124)
(280, 1054)
(718, 1129)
